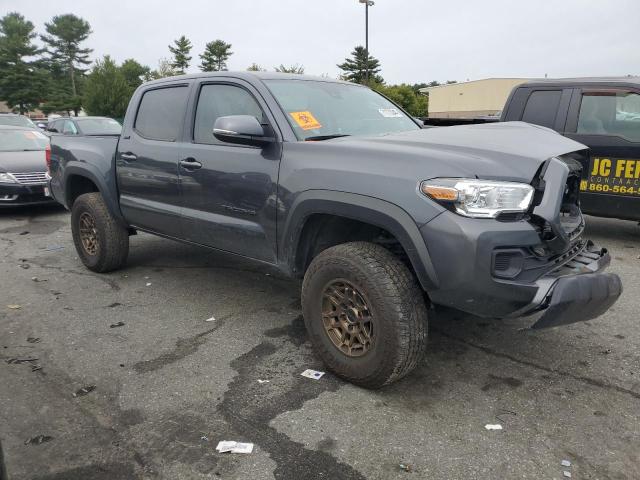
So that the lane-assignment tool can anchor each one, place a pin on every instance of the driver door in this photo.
(229, 191)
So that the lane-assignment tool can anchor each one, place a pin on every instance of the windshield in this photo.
(22, 140)
(328, 109)
(100, 126)
(16, 121)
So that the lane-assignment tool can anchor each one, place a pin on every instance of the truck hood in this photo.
(509, 151)
(19, 162)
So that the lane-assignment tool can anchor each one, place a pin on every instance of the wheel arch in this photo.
(369, 211)
(82, 179)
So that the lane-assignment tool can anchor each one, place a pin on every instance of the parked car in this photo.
(84, 126)
(13, 119)
(602, 113)
(333, 183)
(24, 153)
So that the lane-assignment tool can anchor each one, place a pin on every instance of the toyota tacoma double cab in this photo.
(336, 185)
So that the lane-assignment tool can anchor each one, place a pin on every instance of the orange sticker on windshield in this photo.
(305, 120)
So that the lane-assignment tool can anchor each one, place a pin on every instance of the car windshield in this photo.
(22, 140)
(16, 121)
(100, 126)
(320, 110)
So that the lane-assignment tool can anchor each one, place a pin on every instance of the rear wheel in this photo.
(101, 242)
(365, 313)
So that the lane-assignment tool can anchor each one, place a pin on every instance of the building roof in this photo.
(550, 81)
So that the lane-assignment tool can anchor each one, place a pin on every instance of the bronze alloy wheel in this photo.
(88, 233)
(347, 319)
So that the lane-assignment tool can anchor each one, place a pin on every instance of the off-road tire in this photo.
(397, 308)
(112, 239)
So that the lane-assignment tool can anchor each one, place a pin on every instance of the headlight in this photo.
(479, 198)
(7, 178)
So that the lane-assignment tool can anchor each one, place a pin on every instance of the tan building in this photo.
(470, 99)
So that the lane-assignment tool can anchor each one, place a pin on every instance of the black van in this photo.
(602, 113)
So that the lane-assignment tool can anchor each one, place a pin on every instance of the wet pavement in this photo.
(169, 384)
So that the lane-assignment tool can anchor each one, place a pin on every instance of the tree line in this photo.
(55, 77)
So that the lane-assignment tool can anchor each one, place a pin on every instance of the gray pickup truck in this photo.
(333, 183)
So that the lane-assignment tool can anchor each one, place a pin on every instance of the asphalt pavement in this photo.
(138, 374)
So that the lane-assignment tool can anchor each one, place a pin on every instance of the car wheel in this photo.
(101, 242)
(365, 313)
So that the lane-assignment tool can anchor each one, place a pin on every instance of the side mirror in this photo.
(241, 130)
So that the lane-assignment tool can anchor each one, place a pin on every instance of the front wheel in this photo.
(101, 242)
(365, 313)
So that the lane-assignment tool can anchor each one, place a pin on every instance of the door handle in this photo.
(128, 156)
(190, 164)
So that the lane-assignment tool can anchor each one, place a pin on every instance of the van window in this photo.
(614, 113)
(219, 101)
(161, 112)
(542, 107)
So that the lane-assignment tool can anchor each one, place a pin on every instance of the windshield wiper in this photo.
(325, 137)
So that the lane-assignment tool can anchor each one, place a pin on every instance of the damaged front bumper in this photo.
(575, 292)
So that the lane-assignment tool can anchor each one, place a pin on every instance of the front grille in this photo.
(31, 178)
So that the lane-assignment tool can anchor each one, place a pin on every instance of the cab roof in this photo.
(583, 81)
(250, 76)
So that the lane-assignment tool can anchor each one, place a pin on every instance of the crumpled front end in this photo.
(510, 267)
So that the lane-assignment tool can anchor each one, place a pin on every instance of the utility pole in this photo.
(367, 4)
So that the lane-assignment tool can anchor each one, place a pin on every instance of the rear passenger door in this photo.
(147, 159)
(229, 191)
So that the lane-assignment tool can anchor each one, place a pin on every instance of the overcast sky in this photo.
(415, 40)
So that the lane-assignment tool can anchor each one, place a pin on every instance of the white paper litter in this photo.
(565, 463)
(148, 284)
(314, 374)
(490, 426)
(263, 381)
(212, 319)
(566, 474)
(234, 447)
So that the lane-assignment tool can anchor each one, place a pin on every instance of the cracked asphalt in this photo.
(169, 385)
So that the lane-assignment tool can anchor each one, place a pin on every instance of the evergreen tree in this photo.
(254, 67)
(298, 69)
(180, 52)
(215, 56)
(106, 91)
(21, 81)
(355, 68)
(134, 73)
(65, 34)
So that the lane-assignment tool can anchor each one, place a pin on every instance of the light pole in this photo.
(367, 4)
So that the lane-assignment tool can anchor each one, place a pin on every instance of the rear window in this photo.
(22, 140)
(542, 107)
(161, 112)
(16, 121)
(100, 126)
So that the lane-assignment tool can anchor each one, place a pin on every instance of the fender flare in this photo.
(365, 209)
(90, 172)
